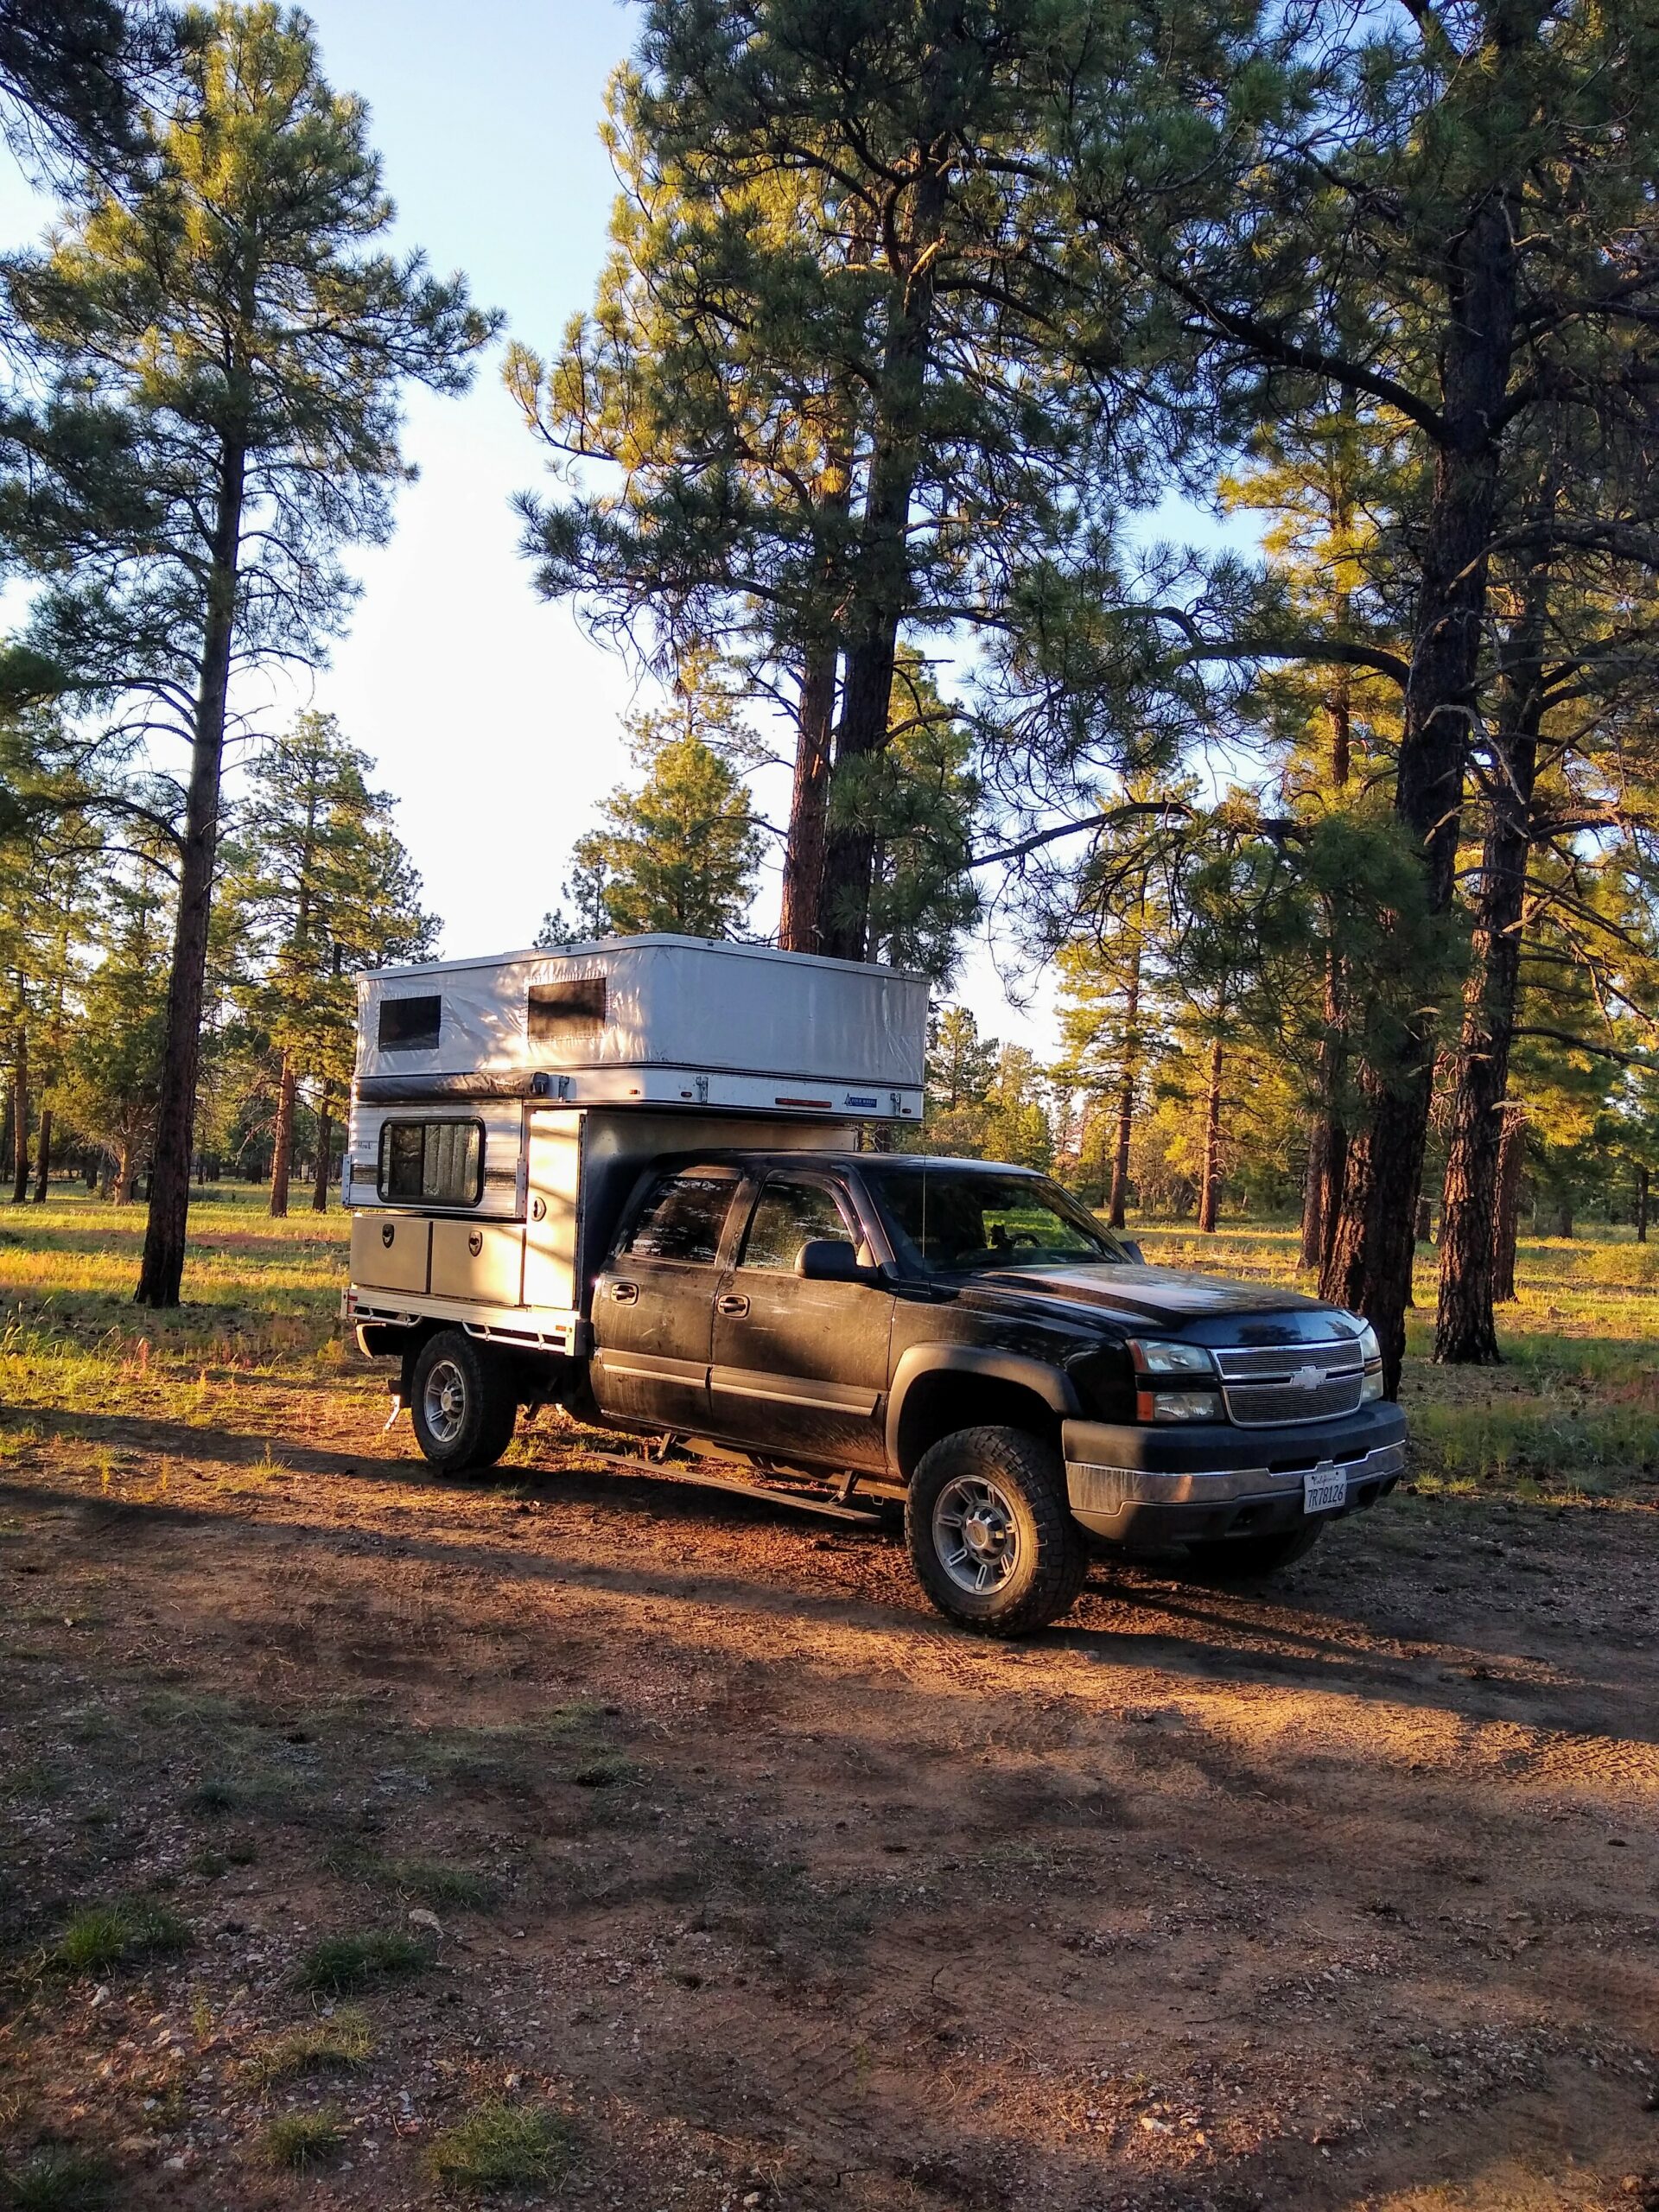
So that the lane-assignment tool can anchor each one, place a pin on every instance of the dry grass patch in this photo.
(300, 2140)
(500, 2146)
(338, 2043)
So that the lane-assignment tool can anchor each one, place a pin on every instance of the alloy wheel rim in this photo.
(444, 1401)
(975, 1534)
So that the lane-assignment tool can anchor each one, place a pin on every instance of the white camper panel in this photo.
(649, 1022)
(525, 1280)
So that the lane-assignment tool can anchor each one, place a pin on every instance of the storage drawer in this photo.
(389, 1251)
(481, 1260)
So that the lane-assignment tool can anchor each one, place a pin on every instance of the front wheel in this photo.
(990, 1533)
(462, 1407)
(1246, 1558)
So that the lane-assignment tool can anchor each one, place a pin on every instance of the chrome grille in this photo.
(1291, 1382)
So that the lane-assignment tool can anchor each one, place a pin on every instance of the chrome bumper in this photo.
(1108, 1490)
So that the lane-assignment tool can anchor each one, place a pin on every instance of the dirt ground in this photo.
(725, 1850)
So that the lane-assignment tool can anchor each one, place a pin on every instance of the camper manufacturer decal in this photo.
(852, 1099)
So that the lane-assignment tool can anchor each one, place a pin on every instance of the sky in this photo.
(491, 717)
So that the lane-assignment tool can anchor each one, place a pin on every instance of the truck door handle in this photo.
(734, 1302)
(625, 1294)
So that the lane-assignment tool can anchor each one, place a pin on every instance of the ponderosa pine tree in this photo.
(823, 365)
(1443, 212)
(322, 888)
(228, 343)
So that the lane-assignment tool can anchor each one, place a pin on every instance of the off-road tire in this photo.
(1048, 1559)
(1248, 1559)
(461, 1402)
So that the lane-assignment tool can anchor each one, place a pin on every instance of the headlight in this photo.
(1153, 1357)
(1371, 1352)
(1178, 1405)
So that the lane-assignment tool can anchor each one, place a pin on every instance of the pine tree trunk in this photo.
(1641, 1184)
(123, 1172)
(881, 588)
(325, 1152)
(1336, 1174)
(20, 1119)
(282, 1156)
(1126, 1093)
(1466, 1334)
(43, 1164)
(800, 926)
(1564, 1219)
(162, 1266)
(1210, 1197)
(1313, 1185)
(1506, 1213)
(1371, 1258)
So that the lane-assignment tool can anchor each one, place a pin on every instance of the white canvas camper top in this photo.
(662, 1021)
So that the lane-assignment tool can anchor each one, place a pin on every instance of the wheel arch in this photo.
(938, 1388)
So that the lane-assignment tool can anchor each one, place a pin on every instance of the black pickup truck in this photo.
(968, 1331)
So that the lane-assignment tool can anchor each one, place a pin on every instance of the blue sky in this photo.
(490, 716)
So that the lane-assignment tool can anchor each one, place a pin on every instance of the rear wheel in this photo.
(462, 1405)
(1245, 1558)
(990, 1533)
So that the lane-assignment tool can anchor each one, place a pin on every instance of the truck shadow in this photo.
(1366, 1640)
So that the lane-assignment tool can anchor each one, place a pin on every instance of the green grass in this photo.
(431, 1881)
(342, 2041)
(500, 2147)
(339, 1963)
(59, 2179)
(103, 1936)
(300, 2140)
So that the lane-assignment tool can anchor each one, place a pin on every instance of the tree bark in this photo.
(1466, 1333)
(1643, 1181)
(800, 926)
(123, 1172)
(282, 1155)
(1120, 1198)
(1318, 1141)
(1506, 1221)
(882, 590)
(43, 1163)
(1209, 1195)
(1371, 1258)
(20, 1118)
(325, 1152)
(162, 1266)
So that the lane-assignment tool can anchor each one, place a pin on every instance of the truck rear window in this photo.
(682, 1219)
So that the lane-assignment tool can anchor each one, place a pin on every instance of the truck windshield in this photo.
(949, 1220)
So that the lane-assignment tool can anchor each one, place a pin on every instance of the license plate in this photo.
(1323, 1490)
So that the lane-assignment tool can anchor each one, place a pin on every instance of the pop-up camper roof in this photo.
(652, 1021)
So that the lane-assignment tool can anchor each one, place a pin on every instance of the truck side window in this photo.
(431, 1163)
(682, 1219)
(789, 1215)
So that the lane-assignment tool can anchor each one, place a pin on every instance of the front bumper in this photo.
(1147, 1487)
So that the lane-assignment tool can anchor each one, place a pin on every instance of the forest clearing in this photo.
(578, 1835)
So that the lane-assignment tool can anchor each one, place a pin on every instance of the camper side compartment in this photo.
(389, 1252)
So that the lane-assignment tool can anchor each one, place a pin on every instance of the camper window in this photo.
(431, 1163)
(410, 1025)
(570, 1009)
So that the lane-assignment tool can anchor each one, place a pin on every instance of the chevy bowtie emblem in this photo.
(1307, 1378)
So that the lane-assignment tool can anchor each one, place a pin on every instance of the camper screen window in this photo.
(571, 1009)
(431, 1163)
(410, 1025)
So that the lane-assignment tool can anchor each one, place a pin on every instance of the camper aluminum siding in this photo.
(652, 1021)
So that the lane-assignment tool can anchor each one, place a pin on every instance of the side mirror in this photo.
(829, 1259)
(1134, 1250)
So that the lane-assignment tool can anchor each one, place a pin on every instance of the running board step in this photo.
(673, 1470)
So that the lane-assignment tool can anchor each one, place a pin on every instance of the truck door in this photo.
(800, 1368)
(654, 1301)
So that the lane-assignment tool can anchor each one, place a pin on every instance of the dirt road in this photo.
(783, 1894)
